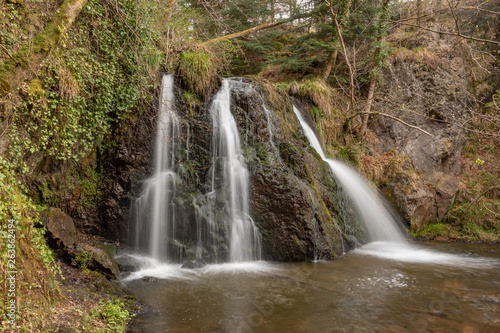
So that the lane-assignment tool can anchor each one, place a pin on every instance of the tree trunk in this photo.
(332, 58)
(170, 5)
(346, 58)
(16, 69)
(368, 106)
(244, 32)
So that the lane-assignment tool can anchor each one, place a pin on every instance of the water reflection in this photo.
(356, 293)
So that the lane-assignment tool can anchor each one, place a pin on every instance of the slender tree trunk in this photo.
(272, 13)
(171, 6)
(244, 32)
(344, 51)
(18, 67)
(332, 58)
(377, 65)
(368, 106)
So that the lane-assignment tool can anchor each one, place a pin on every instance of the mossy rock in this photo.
(101, 262)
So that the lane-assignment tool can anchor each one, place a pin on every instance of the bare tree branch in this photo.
(393, 118)
(479, 196)
(456, 33)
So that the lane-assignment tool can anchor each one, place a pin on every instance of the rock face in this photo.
(63, 238)
(293, 195)
(431, 92)
(61, 230)
(294, 198)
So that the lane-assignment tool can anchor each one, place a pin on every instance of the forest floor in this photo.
(86, 301)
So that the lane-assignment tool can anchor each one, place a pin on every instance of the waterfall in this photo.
(227, 156)
(378, 221)
(154, 214)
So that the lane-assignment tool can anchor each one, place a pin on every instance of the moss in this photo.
(197, 70)
(332, 225)
(35, 86)
(48, 195)
(31, 55)
(92, 187)
(262, 153)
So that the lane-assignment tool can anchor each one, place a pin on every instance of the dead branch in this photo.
(393, 118)
(244, 32)
(455, 33)
(479, 196)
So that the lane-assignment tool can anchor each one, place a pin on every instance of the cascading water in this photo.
(154, 214)
(378, 221)
(226, 151)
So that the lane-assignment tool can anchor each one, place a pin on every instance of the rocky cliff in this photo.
(293, 196)
(427, 84)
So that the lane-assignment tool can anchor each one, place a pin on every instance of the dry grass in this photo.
(382, 168)
(316, 91)
(421, 56)
(68, 86)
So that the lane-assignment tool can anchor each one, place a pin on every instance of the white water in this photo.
(387, 240)
(152, 268)
(154, 215)
(244, 236)
(378, 221)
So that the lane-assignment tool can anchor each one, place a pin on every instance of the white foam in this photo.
(150, 267)
(414, 253)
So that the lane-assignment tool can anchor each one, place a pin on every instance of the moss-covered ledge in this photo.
(17, 68)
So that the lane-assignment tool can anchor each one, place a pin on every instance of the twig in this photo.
(459, 34)
(393, 118)
(10, 55)
(489, 210)
(479, 196)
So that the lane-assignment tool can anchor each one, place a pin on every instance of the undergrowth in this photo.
(28, 254)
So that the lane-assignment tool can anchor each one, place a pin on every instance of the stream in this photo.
(420, 287)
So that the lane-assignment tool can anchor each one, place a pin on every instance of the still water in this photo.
(429, 287)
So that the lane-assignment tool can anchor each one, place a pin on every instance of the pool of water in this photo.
(381, 287)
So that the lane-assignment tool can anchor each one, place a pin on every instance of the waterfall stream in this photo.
(379, 223)
(226, 150)
(154, 214)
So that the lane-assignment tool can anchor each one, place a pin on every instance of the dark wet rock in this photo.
(294, 199)
(61, 230)
(192, 264)
(101, 260)
(127, 263)
(149, 279)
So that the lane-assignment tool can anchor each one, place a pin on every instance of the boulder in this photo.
(61, 230)
(100, 260)
(446, 190)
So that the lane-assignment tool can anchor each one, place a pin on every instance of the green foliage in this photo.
(198, 71)
(31, 257)
(46, 254)
(17, 207)
(83, 259)
(433, 231)
(100, 72)
(200, 65)
(115, 315)
(348, 153)
(91, 192)
(316, 91)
